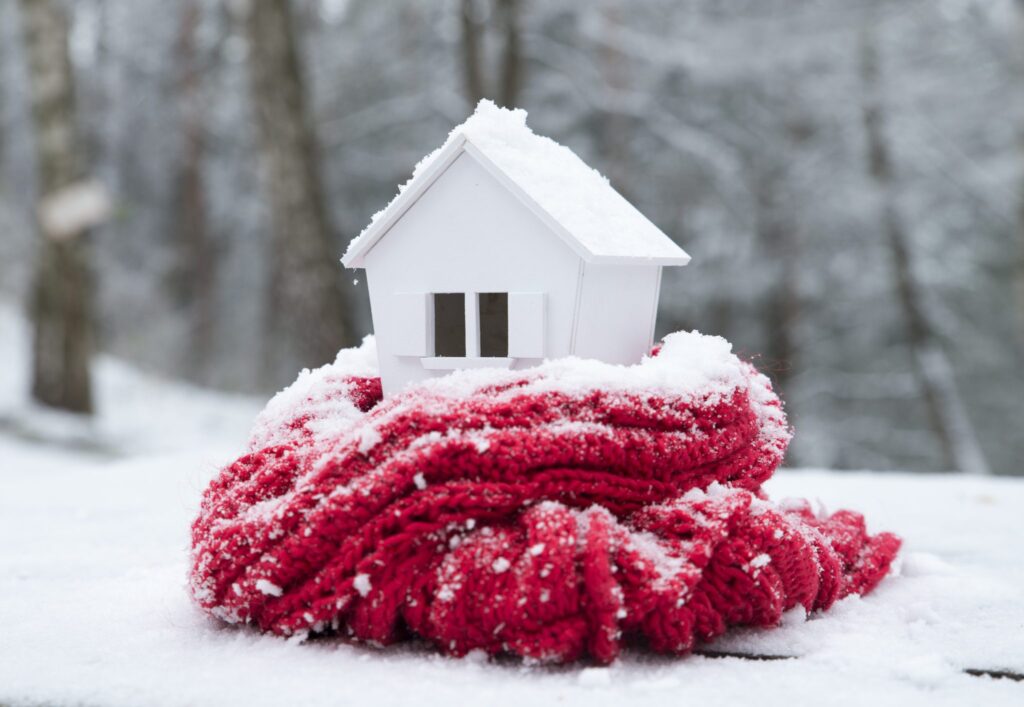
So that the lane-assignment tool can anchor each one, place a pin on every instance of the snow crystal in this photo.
(794, 617)
(369, 438)
(694, 495)
(269, 588)
(919, 564)
(477, 656)
(421, 483)
(574, 194)
(666, 566)
(792, 504)
(761, 560)
(362, 584)
(595, 677)
(501, 565)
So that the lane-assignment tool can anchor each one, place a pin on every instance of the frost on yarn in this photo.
(550, 513)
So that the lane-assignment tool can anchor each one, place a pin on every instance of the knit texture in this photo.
(552, 513)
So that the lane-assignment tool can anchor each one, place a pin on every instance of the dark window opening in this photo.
(450, 324)
(493, 323)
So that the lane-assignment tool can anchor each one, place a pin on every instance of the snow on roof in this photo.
(573, 198)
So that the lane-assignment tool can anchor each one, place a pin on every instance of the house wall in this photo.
(618, 304)
(467, 233)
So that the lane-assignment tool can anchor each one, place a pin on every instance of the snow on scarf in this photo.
(551, 513)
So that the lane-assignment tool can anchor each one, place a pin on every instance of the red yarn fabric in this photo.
(552, 513)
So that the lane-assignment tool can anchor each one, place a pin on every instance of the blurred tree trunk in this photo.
(60, 306)
(194, 279)
(777, 239)
(472, 68)
(471, 45)
(511, 57)
(1019, 279)
(3, 142)
(946, 410)
(1019, 275)
(306, 312)
(613, 125)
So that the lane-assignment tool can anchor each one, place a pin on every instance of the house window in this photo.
(473, 325)
(450, 324)
(493, 310)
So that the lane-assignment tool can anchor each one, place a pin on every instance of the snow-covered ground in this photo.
(93, 608)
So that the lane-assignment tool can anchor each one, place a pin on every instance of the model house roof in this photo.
(573, 199)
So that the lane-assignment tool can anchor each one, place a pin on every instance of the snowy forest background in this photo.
(846, 175)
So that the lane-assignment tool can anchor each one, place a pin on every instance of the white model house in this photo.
(504, 249)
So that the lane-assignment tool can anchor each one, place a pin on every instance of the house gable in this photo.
(467, 231)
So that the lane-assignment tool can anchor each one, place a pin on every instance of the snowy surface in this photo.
(574, 194)
(94, 610)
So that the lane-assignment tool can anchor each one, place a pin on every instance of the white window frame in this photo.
(526, 331)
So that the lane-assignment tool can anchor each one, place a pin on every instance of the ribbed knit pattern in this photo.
(552, 513)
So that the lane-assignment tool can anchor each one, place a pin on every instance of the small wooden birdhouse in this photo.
(504, 249)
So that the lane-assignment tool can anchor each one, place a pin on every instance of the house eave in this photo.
(679, 260)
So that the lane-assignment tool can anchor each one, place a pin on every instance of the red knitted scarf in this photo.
(550, 513)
